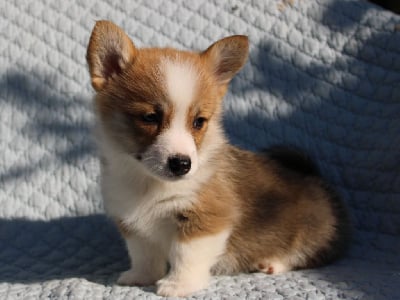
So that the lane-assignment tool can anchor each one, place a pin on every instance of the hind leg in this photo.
(271, 266)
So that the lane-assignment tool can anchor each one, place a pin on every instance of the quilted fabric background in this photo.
(323, 75)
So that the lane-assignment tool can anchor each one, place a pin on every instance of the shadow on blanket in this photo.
(88, 247)
(52, 121)
(340, 112)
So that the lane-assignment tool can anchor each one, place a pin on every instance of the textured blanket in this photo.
(323, 75)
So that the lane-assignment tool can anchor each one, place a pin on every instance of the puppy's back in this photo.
(290, 218)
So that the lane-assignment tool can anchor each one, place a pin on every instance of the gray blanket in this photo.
(323, 75)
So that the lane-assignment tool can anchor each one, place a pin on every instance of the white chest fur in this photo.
(141, 202)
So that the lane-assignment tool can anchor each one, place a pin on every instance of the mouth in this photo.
(168, 176)
(172, 177)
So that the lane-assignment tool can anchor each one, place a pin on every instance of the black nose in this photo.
(179, 164)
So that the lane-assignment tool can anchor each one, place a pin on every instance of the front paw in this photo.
(173, 287)
(132, 277)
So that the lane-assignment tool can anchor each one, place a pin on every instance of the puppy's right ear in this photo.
(109, 52)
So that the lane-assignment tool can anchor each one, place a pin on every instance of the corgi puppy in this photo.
(188, 204)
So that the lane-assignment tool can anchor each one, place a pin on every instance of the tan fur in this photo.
(281, 219)
(217, 209)
(225, 58)
(273, 218)
(204, 106)
(267, 217)
(135, 95)
(118, 52)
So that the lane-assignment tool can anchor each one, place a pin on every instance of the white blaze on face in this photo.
(180, 82)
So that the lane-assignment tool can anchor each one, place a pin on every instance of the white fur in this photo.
(180, 82)
(148, 262)
(146, 204)
(175, 140)
(191, 262)
(279, 266)
(139, 200)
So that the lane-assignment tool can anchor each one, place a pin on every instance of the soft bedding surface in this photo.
(323, 75)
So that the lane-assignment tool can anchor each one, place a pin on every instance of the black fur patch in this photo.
(293, 159)
(182, 218)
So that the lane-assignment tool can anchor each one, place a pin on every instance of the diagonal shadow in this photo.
(50, 121)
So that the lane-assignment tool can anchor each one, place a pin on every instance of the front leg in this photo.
(148, 263)
(191, 261)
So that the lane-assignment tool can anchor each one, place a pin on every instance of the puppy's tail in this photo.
(293, 159)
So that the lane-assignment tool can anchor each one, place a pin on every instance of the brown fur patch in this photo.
(226, 57)
(211, 214)
(283, 215)
(106, 60)
(137, 92)
(261, 266)
(275, 214)
(205, 105)
(216, 208)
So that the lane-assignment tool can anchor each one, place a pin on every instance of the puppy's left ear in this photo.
(227, 56)
(109, 52)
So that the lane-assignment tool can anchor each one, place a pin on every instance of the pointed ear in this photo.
(227, 56)
(109, 52)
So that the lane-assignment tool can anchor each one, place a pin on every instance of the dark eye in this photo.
(151, 118)
(199, 122)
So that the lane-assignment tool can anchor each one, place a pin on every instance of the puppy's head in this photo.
(161, 106)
